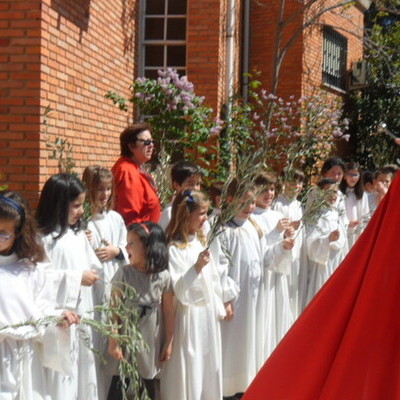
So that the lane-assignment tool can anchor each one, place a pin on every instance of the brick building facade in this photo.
(64, 56)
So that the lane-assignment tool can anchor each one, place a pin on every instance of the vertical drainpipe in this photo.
(245, 48)
(230, 51)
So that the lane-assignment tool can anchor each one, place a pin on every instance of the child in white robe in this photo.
(184, 175)
(356, 202)
(26, 295)
(148, 274)
(243, 334)
(107, 235)
(59, 215)
(194, 370)
(326, 240)
(290, 207)
(275, 300)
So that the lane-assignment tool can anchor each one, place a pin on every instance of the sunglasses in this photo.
(146, 142)
(4, 237)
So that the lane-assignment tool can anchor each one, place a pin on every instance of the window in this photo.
(334, 58)
(163, 37)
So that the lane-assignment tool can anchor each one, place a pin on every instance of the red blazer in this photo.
(136, 197)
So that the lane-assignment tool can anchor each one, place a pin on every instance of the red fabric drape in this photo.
(346, 344)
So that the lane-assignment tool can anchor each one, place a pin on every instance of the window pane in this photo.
(181, 72)
(154, 29)
(176, 29)
(155, 7)
(176, 56)
(177, 7)
(151, 73)
(334, 58)
(153, 56)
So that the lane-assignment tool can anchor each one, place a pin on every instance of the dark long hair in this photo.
(154, 241)
(26, 244)
(359, 186)
(332, 162)
(53, 208)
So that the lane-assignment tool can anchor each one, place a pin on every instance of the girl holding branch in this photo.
(26, 298)
(59, 214)
(194, 371)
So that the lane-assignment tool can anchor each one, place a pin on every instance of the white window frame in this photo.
(165, 43)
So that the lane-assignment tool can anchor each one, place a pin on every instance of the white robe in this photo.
(293, 209)
(73, 254)
(356, 210)
(278, 316)
(194, 370)
(109, 226)
(165, 216)
(324, 256)
(27, 293)
(242, 336)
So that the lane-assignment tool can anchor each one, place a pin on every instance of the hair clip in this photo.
(145, 228)
(189, 198)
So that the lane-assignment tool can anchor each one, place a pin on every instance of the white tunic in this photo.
(73, 254)
(26, 293)
(324, 256)
(165, 216)
(278, 315)
(109, 226)
(293, 209)
(242, 336)
(356, 210)
(194, 370)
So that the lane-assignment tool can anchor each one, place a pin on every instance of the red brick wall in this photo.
(205, 50)
(302, 64)
(349, 23)
(87, 49)
(264, 16)
(19, 101)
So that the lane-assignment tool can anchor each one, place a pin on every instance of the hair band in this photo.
(189, 198)
(145, 228)
(14, 205)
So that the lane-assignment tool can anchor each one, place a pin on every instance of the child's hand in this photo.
(114, 350)
(165, 354)
(202, 260)
(353, 224)
(229, 311)
(288, 243)
(295, 224)
(89, 235)
(89, 277)
(283, 224)
(68, 318)
(289, 232)
(108, 252)
(333, 236)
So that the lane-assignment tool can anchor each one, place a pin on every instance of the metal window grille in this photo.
(334, 58)
(162, 36)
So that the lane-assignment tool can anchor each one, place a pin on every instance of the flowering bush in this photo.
(177, 115)
(294, 133)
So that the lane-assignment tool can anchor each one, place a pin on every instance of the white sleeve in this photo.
(189, 286)
(230, 289)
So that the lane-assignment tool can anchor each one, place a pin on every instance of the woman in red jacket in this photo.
(136, 195)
